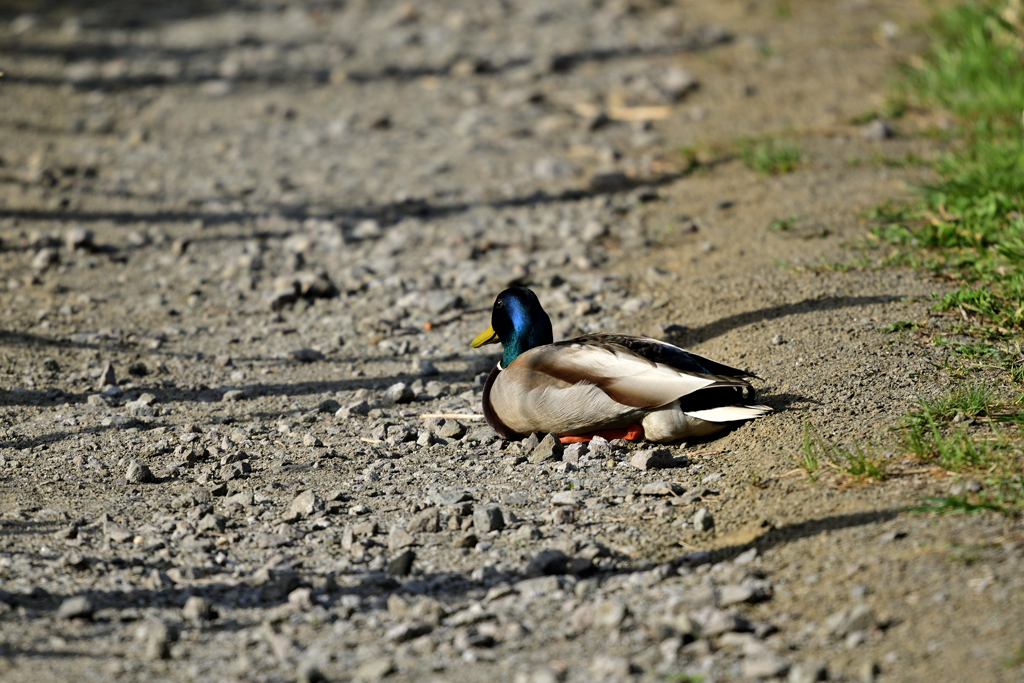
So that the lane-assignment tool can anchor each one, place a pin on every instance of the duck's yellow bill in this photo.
(488, 336)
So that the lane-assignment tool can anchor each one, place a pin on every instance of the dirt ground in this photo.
(262, 216)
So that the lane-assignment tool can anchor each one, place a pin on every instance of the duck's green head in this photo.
(519, 322)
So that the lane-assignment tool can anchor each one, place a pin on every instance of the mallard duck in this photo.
(616, 385)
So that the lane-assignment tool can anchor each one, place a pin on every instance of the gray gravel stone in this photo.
(451, 429)
(764, 665)
(305, 504)
(197, 609)
(373, 670)
(703, 521)
(844, 622)
(397, 393)
(137, 473)
(652, 458)
(77, 607)
(487, 518)
(661, 488)
(547, 562)
(427, 520)
(808, 672)
(548, 450)
(401, 565)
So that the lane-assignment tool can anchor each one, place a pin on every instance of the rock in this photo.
(374, 669)
(402, 564)
(563, 515)
(106, 378)
(877, 130)
(421, 367)
(137, 473)
(397, 393)
(763, 665)
(275, 584)
(407, 631)
(609, 668)
(808, 672)
(77, 607)
(573, 452)
(610, 181)
(732, 594)
(197, 609)
(450, 497)
(568, 497)
(428, 521)
(158, 637)
(487, 518)
(608, 613)
(548, 562)
(703, 521)
(301, 599)
(527, 532)
(652, 459)
(117, 533)
(399, 538)
(844, 622)
(312, 441)
(465, 541)
(548, 450)
(451, 429)
(45, 258)
(305, 355)
(305, 504)
(746, 557)
(78, 238)
(661, 488)
(214, 523)
(232, 395)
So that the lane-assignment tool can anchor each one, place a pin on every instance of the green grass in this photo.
(945, 505)
(783, 224)
(972, 68)
(684, 677)
(975, 446)
(816, 453)
(967, 227)
(968, 224)
(771, 156)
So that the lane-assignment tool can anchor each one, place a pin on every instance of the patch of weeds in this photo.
(771, 156)
(808, 458)
(783, 224)
(965, 554)
(972, 67)
(899, 326)
(932, 434)
(1015, 659)
(968, 227)
(684, 677)
(972, 401)
(860, 463)
(944, 505)
(783, 10)
(756, 480)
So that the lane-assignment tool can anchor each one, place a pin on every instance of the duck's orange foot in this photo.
(630, 433)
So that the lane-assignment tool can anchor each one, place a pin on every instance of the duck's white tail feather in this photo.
(729, 413)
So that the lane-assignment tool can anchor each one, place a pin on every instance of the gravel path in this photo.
(245, 245)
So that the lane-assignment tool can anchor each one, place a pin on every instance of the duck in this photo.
(603, 384)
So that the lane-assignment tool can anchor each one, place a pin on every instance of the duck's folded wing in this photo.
(625, 377)
(662, 352)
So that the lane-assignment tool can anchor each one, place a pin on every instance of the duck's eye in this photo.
(499, 303)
